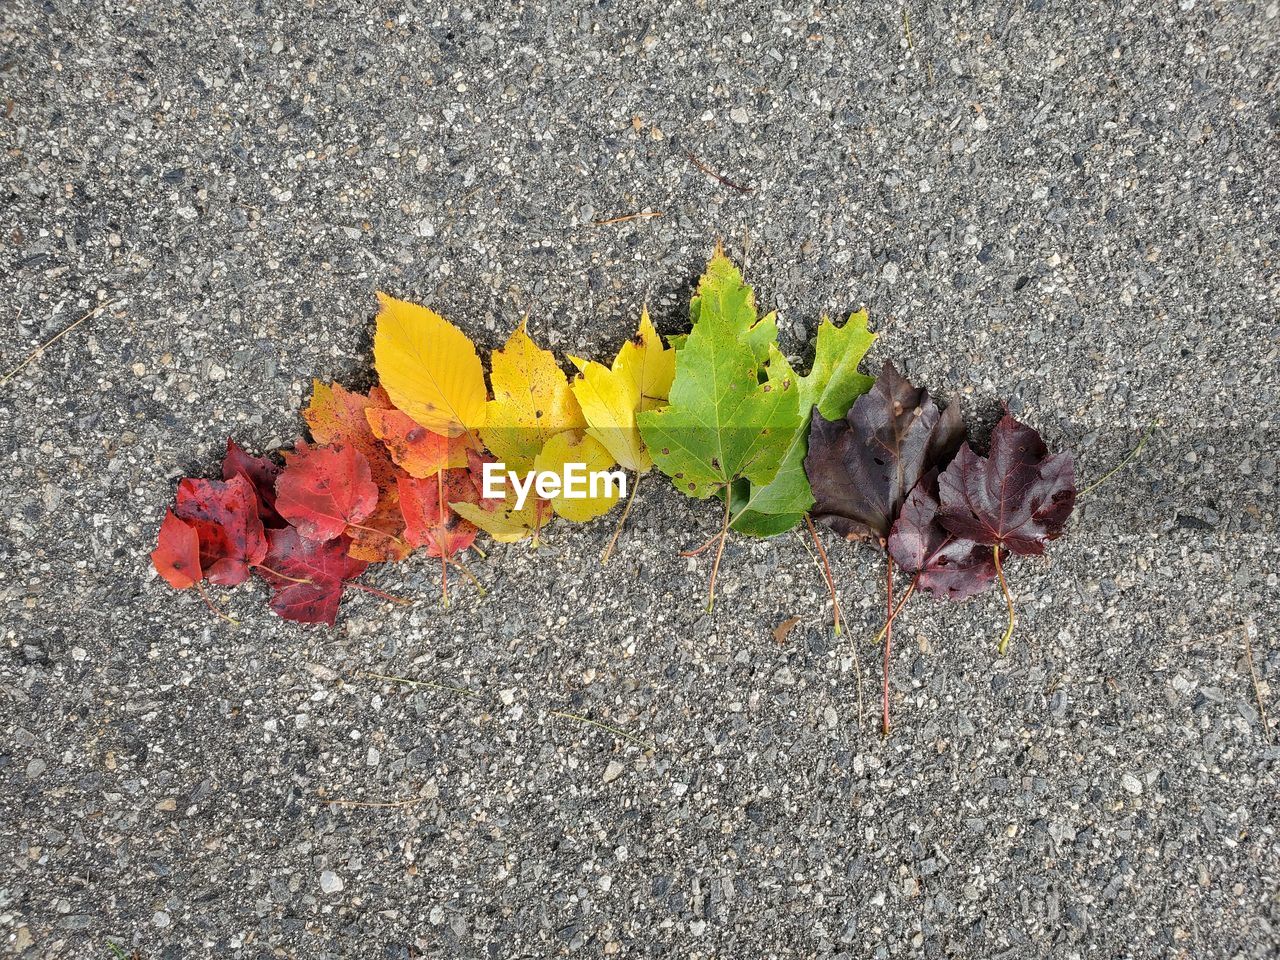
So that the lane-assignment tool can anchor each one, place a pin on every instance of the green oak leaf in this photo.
(833, 383)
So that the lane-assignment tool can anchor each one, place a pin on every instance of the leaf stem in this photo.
(283, 576)
(715, 567)
(444, 560)
(216, 612)
(699, 551)
(1008, 599)
(902, 602)
(375, 530)
(466, 572)
(399, 601)
(1121, 465)
(826, 569)
(631, 497)
(888, 644)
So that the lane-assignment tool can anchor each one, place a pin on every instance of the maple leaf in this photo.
(429, 368)
(949, 567)
(307, 576)
(225, 517)
(429, 521)
(577, 447)
(723, 291)
(415, 449)
(610, 397)
(325, 490)
(861, 467)
(177, 553)
(432, 521)
(1017, 498)
(340, 417)
(259, 471)
(832, 384)
(639, 379)
(531, 402)
(730, 414)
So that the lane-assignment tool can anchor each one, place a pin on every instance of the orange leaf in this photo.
(417, 450)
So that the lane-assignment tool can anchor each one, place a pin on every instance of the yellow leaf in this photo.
(651, 365)
(506, 524)
(429, 368)
(579, 448)
(531, 402)
(639, 379)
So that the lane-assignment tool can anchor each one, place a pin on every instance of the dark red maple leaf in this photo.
(948, 566)
(325, 490)
(1016, 498)
(225, 517)
(177, 553)
(862, 467)
(307, 577)
(259, 471)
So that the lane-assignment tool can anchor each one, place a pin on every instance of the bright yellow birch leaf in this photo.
(639, 379)
(531, 402)
(588, 457)
(429, 368)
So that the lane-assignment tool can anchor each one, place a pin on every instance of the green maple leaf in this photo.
(734, 407)
(729, 416)
(833, 383)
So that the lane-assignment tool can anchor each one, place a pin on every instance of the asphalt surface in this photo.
(1072, 209)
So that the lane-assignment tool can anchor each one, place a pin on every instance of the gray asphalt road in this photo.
(1073, 210)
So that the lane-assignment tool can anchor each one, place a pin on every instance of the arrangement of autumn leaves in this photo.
(719, 410)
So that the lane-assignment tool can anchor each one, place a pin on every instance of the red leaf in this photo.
(338, 416)
(428, 520)
(259, 471)
(862, 467)
(324, 490)
(177, 553)
(1018, 497)
(948, 566)
(307, 576)
(225, 517)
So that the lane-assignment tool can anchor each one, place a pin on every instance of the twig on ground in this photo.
(1121, 465)
(34, 354)
(715, 176)
(463, 691)
(1250, 630)
(374, 804)
(604, 726)
(630, 216)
